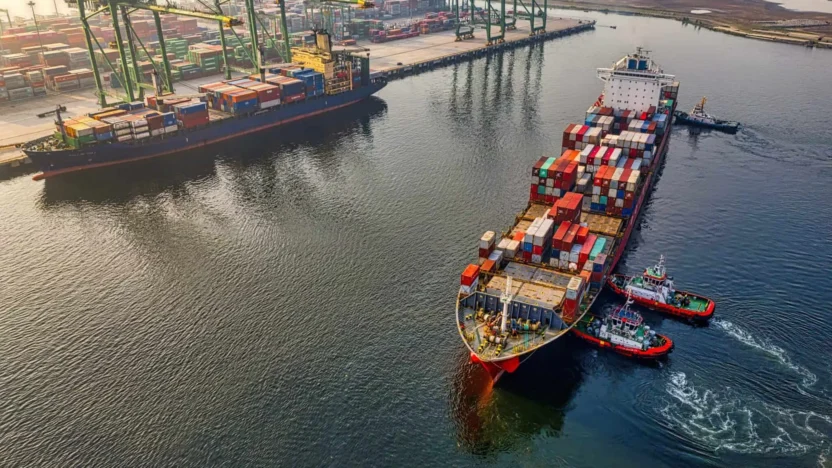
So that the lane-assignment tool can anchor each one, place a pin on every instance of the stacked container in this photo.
(568, 208)
(191, 114)
(671, 91)
(552, 177)
(572, 300)
(537, 239)
(633, 144)
(486, 245)
(470, 277)
(614, 188)
(577, 137)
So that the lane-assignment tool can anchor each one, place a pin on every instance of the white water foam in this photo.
(723, 421)
(807, 377)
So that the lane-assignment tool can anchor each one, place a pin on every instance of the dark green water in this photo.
(289, 302)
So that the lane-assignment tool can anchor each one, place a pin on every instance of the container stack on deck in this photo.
(579, 201)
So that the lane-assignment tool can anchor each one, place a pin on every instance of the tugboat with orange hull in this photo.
(624, 332)
(654, 289)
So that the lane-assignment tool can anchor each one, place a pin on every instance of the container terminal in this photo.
(533, 283)
(80, 62)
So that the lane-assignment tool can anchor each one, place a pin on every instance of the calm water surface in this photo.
(290, 301)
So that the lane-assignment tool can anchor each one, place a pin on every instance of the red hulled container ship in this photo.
(537, 280)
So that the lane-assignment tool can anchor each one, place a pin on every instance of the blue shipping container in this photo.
(244, 106)
(191, 108)
(168, 119)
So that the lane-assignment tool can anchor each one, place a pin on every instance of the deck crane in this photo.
(506, 299)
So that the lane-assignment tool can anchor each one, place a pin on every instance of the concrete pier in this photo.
(407, 56)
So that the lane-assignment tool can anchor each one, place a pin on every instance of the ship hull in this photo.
(667, 308)
(53, 163)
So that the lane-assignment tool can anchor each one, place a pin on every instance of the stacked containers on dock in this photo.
(486, 245)
(469, 280)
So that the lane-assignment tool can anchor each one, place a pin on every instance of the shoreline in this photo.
(719, 24)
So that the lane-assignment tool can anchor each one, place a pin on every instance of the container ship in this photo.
(537, 280)
(320, 81)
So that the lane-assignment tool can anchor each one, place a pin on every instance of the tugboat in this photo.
(624, 332)
(654, 290)
(699, 118)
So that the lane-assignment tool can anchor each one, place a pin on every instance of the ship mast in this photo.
(506, 299)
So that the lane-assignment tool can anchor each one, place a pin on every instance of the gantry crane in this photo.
(494, 14)
(123, 8)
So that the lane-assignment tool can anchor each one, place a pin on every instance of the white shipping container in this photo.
(140, 136)
(503, 244)
(171, 129)
(127, 137)
(537, 258)
(268, 104)
(563, 264)
(487, 239)
(612, 193)
(596, 198)
(513, 249)
(564, 255)
(157, 132)
(619, 203)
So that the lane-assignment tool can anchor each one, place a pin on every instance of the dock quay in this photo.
(397, 59)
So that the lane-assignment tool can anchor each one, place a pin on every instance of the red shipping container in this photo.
(469, 275)
(560, 233)
(587, 248)
(294, 98)
(537, 166)
(537, 249)
(583, 232)
(484, 253)
(582, 132)
(488, 265)
(194, 120)
(533, 193)
(569, 238)
(519, 235)
(527, 256)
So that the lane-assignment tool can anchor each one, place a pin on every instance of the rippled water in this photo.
(289, 301)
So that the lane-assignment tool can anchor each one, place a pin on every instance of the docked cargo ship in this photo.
(534, 282)
(320, 81)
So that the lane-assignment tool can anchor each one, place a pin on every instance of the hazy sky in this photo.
(42, 7)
